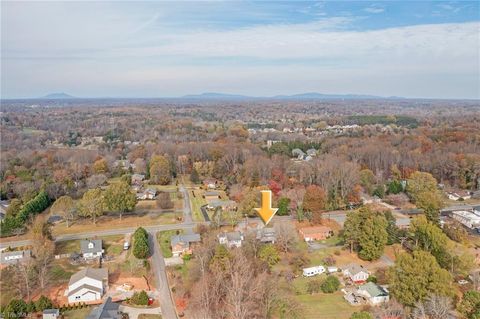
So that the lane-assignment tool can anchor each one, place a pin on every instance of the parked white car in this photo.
(126, 245)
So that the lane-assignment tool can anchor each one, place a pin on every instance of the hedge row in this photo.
(36, 205)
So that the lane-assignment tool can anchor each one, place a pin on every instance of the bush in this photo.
(329, 261)
(330, 285)
(34, 206)
(141, 249)
(43, 303)
(314, 286)
(139, 298)
(372, 278)
(15, 309)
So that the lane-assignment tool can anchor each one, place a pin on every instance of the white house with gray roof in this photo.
(91, 248)
(374, 293)
(88, 284)
(356, 273)
(231, 239)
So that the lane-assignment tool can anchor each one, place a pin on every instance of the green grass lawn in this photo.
(300, 284)
(77, 313)
(60, 274)
(67, 247)
(197, 201)
(164, 241)
(326, 306)
(161, 188)
(132, 265)
(113, 245)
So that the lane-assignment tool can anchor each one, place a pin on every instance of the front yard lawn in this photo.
(164, 241)
(197, 201)
(326, 306)
(77, 313)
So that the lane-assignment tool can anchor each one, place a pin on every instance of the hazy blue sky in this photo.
(156, 49)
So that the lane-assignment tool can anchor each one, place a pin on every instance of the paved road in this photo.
(161, 282)
(187, 208)
(109, 232)
(133, 313)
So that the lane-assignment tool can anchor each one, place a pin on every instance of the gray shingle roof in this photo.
(187, 238)
(95, 273)
(51, 312)
(107, 310)
(234, 236)
(89, 287)
(97, 246)
(354, 269)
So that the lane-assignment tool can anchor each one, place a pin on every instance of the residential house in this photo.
(137, 179)
(11, 257)
(51, 314)
(122, 164)
(211, 196)
(312, 152)
(315, 233)
(298, 153)
(180, 244)
(136, 188)
(88, 284)
(107, 310)
(459, 195)
(476, 194)
(91, 249)
(267, 235)
(3, 208)
(466, 218)
(149, 193)
(225, 205)
(210, 183)
(356, 273)
(374, 293)
(231, 239)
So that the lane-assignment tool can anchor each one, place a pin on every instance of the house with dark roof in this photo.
(91, 248)
(267, 235)
(211, 196)
(180, 244)
(88, 284)
(107, 310)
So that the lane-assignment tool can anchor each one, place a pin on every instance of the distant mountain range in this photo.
(302, 96)
(55, 96)
(238, 97)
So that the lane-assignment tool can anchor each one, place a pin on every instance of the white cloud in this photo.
(93, 51)
(373, 9)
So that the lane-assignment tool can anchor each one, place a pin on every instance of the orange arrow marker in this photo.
(266, 212)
